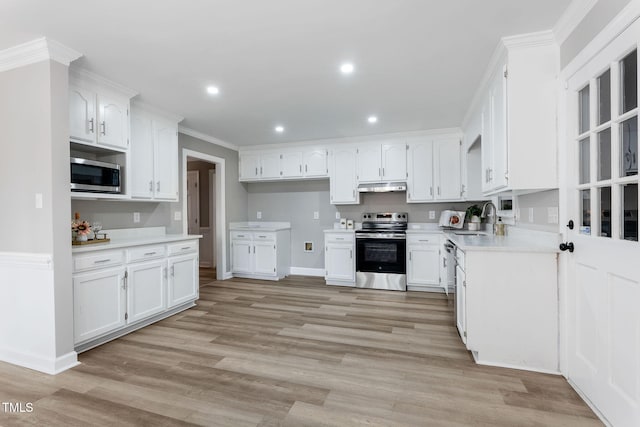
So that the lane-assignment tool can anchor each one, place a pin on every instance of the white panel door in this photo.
(141, 172)
(264, 257)
(447, 169)
(99, 303)
(315, 163)
(82, 115)
(241, 256)
(146, 289)
(420, 170)
(165, 160)
(113, 122)
(369, 163)
(599, 194)
(394, 161)
(339, 261)
(291, 164)
(342, 176)
(424, 265)
(183, 279)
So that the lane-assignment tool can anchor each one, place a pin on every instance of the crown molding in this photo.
(84, 75)
(208, 138)
(571, 18)
(453, 132)
(520, 41)
(37, 50)
(148, 108)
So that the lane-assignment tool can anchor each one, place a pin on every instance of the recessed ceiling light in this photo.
(372, 119)
(279, 129)
(347, 68)
(213, 90)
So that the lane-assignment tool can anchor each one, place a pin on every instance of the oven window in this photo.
(381, 255)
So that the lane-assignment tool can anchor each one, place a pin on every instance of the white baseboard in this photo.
(304, 271)
(227, 275)
(38, 363)
(205, 264)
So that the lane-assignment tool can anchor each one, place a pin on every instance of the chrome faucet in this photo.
(484, 211)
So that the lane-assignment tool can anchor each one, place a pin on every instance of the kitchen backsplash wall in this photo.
(538, 211)
(296, 202)
(119, 214)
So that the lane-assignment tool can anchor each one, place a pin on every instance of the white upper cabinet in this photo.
(342, 176)
(315, 163)
(382, 162)
(447, 169)
(518, 110)
(434, 169)
(98, 116)
(420, 171)
(276, 164)
(82, 114)
(154, 156)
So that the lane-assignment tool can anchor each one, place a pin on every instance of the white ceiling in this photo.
(418, 62)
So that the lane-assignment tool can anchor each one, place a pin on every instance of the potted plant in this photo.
(473, 213)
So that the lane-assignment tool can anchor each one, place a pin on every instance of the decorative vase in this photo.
(82, 238)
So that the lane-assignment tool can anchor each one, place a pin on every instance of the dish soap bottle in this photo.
(500, 227)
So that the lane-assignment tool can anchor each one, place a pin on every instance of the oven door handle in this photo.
(387, 237)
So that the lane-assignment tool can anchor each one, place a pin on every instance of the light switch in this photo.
(177, 216)
(337, 215)
(552, 215)
(38, 200)
(136, 217)
(530, 214)
(259, 215)
(316, 215)
(432, 214)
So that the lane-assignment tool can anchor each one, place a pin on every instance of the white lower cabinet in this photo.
(260, 254)
(339, 258)
(461, 303)
(117, 291)
(99, 302)
(146, 289)
(183, 279)
(423, 262)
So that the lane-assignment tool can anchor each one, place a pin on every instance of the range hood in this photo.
(382, 187)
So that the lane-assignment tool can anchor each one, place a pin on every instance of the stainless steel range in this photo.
(381, 251)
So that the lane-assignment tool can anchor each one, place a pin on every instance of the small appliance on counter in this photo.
(452, 219)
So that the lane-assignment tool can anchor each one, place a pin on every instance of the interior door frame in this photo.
(196, 174)
(220, 208)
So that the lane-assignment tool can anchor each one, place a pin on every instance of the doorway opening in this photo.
(204, 210)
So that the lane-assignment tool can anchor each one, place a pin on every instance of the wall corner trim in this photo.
(37, 50)
(208, 138)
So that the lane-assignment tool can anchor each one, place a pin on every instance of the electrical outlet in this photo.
(552, 215)
(530, 214)
(337, 215)
(38, 200)
(316, 215)
(177, 216)
(136, 217)
(259, 215)
(432, 214)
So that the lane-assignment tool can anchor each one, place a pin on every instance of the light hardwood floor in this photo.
(298, 353)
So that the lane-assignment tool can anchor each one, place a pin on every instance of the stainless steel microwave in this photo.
(93, 176)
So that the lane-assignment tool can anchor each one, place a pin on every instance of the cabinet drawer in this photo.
(241, 235)
(339, 237)
(183, 247)
(145, 252)
(97, 260)
(264, 236)
(423, 239)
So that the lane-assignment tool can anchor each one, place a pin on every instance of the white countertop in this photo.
(259, 226)
(518, 243)
(340, 230)
(134, 241)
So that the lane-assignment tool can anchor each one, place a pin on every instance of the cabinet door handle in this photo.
(158, 186)
(438, 190)
(91, 125)
(444, 262)
(186, 248)
(379, 173)
(149, 253)
(102, 261)
(300, 168)
(351, 253)
(249, 249)
(410, 256)
(431, 191)
(103, 126)
(260, 170)
(305, 168)
(173, 271)
(150, 186)
(256, 171)
(382, 171)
